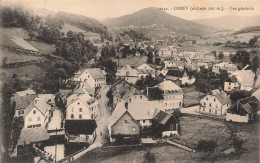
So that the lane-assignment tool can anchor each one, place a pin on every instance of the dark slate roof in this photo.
(175, 73)
(154, 93)
(232, 79)
(249, 104)
(76, 127)
(162, 117)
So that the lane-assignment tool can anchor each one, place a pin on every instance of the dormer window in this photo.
(207, 98)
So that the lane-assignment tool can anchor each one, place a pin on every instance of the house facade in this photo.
(128, 73)
(37, 114)
(229, 67)
(172, 95)
(231, 83)
(95, 77)
(123, 125)
(145, 70)
(215, 103)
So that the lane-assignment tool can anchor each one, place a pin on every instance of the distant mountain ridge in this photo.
(150, 16)
(231, 22)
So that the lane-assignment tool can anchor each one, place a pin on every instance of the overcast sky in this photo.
(100, 9)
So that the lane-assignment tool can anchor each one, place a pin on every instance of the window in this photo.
(38, 118)
(38, 125)
(203, 109)
(143, 121)
(210, 104)
(125, 121)
(204, 103)
(207, 98)
(216, 105)
(78, 103)
(29, 126)
(210, 110)
(80, 116)
(34, 112)
(72, 116)
(214, 99)
(92, 116)
(180, 104)
(133, 128)
(80, 109)
(141, 96)
(216, 112)
(30, 119)
(229, 83)
(20, 112)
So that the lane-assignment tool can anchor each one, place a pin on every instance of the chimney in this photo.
(126, 105)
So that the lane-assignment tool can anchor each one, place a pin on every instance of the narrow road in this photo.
(102, 122)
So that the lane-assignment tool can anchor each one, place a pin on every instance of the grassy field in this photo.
(42, 47)
(131, 60)
(191, 96)
(14, 57)
(13, 31)
(194, 129)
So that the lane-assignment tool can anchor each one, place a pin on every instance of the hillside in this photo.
(248, 30)
(231, 22)
(153, 16)
(84, 22)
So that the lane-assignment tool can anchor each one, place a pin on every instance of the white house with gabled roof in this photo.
(37, 113)
(215, 103)
(95, 77)
(172, 95)
(145, 70)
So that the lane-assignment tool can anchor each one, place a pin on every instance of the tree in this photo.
(238, 144)
(4, 61)
(206, 145)
(255, 63)
(236, 95)
(149, 157)
(157, 61)
(221, 55)
(150, 57)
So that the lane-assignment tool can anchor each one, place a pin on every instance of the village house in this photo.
(243, 110)
(122, 124)
(246, 79)
(123, 91)
(143, 112)
(174, 64)
(37, 113)
(165, 125)
(80, 131)
(95, 77)
(203, 64)
(128, 73)
(256, 93)
(172, 95)
(145, 70)
(80, 105)
(179, 76)
(167, 52)
(229, 67)
(231, 83)
(20, 100)
(215, 103)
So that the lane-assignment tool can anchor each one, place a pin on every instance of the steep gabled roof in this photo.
(162, 117)
(96, 73)
(175, 73)
(127, 71)
(249, 104)
(144, 110)
(39, 103)
(221, 96)
(167, 85)
(33, 135)
(26, 92)
(119, 111)
(232, 79)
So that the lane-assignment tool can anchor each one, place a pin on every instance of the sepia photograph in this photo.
(129, 81)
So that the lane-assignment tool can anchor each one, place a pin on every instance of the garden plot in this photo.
(22, 43)
(194, 129)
